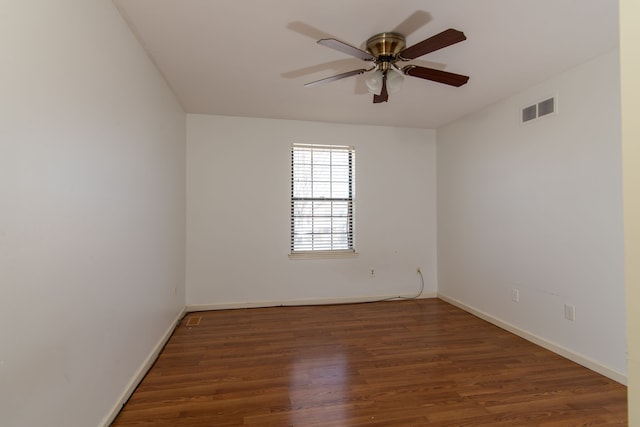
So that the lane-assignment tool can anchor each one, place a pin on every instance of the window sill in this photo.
(323, 254)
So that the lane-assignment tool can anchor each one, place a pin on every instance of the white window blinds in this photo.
(322, 191)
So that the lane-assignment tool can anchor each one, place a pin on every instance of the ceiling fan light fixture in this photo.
(394, 81)
(374, 82)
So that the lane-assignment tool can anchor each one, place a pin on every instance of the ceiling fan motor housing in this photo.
(385, 47)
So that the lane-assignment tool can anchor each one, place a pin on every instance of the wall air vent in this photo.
(539, 109)
(529, 113)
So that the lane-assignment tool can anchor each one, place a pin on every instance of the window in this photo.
(322, 191)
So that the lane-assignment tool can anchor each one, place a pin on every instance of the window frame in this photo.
(343, 252)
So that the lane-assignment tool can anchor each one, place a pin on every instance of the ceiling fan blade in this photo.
(443, 39)
(336, 77)
(435, 75)
(346, 48)
(384, 95)
(416, 20)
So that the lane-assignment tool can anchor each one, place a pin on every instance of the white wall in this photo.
(92, 173)
(538, 208)
(238, 207)
(630, 64)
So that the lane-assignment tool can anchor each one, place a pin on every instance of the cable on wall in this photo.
(421, 287)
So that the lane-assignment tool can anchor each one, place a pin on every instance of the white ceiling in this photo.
(252, 57)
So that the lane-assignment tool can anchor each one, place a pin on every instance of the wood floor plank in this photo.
(394, 363)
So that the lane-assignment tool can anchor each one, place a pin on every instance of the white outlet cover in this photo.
(570, 312)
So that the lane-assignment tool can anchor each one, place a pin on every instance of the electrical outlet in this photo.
(570, 312)
(515, 295)
(372, 273)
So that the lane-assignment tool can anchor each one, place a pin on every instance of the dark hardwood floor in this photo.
(401, 363)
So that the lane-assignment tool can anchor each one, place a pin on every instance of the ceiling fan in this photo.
(385, 50)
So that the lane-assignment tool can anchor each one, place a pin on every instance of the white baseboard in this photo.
(282, 303)
(142, 371)
(558, 349)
